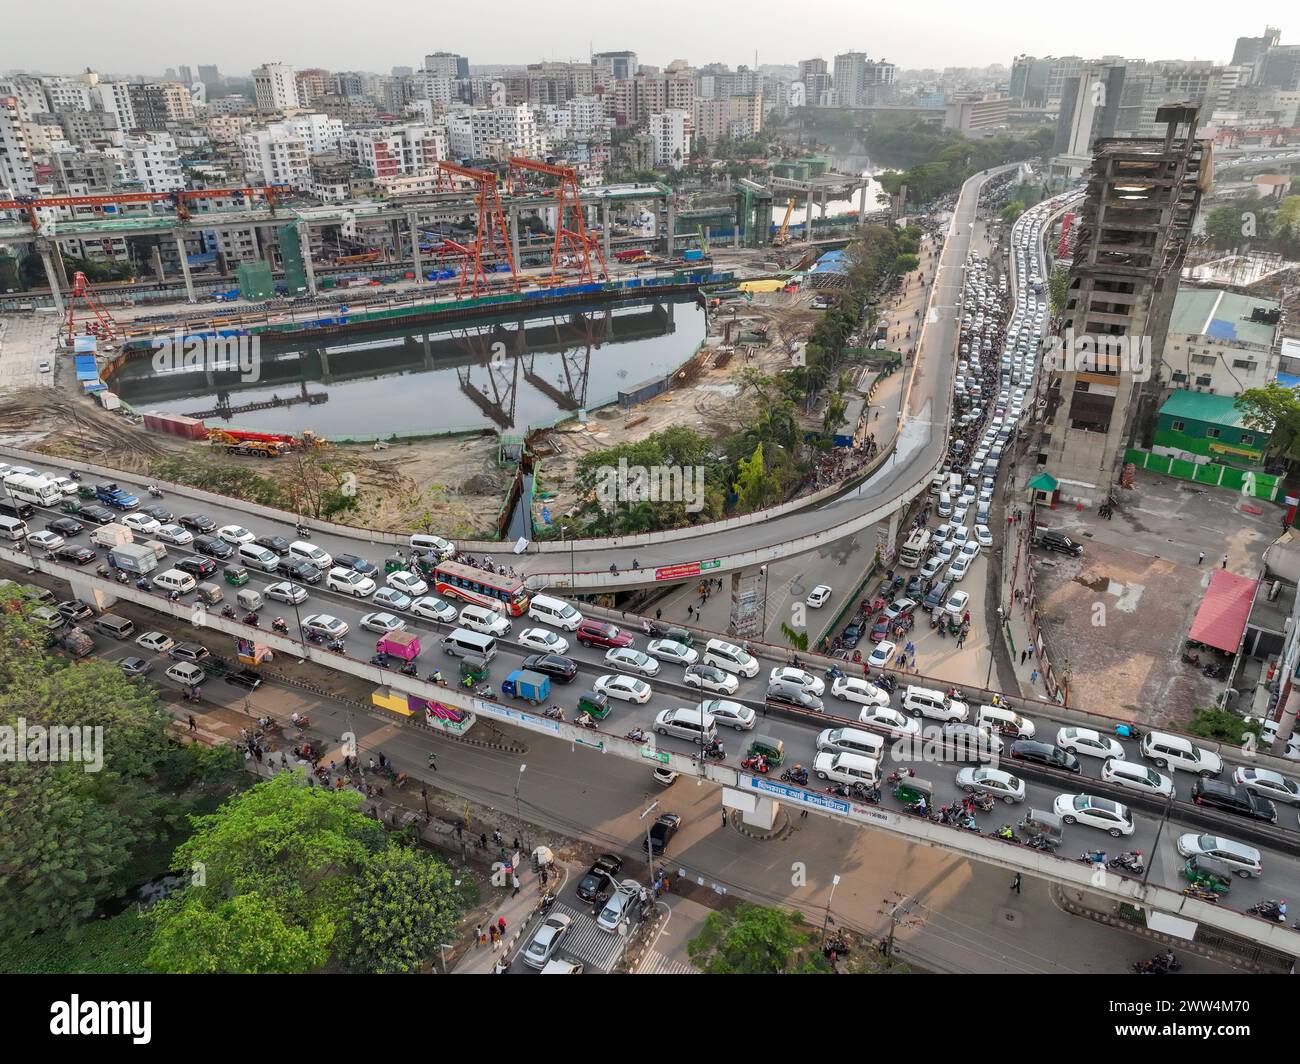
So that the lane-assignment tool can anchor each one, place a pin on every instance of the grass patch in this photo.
(116, 946)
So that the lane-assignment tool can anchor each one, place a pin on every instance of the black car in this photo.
(101, 515)
(356, 564)
(599, 880)
(245, 678)
(1050, 539)
(159, 513)
(197, 522)
(135, 666)
(658, 630)
(71, 552)
(663, 829)
(1044, 754)
(1232, 798)
(193, 652)
(213, 547)
(556, 666)
(65, 526)
(851, 635)
(301, 571)
(276, 543)
(76, 610)
(199, 568)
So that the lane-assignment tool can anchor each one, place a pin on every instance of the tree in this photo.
(1058, 287)
(244, 935)
(1276, 410)
(753, 485)
(1220, 725)
(406, 905)
(753, 940)
(798, 640)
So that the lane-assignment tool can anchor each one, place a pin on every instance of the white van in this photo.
(175, 580)
(937, 483)
(730, 657)
(554, 611)
(926, 702)
(852, 741)
(954, 483)
(484, 620)
(1173, 751)
(186, 673)
(1004, 719)
(13, 528)
(460, 641)
(440, 546)
(259, 557)
(944, 509)
(982, 513)
(847, 768)
(301, 550)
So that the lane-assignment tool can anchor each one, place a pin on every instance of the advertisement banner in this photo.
(679, 572)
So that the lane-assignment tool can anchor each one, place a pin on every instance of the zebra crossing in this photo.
(655, 963)
(588, 942)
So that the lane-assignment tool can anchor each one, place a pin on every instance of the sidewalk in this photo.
(480, 960)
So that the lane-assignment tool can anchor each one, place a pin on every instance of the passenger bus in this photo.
(493, 590)
(41, 491)
(914, 550)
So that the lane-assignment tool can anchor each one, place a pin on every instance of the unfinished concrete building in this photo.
(1103, 380)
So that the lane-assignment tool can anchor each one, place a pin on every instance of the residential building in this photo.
(860, 81)
(275, 88)
(156, 104)
(711, 119)
(86, 172)
(114, 98)
(435, 87)
(1221, 342)
(499, 132)
(230, 105)
(818, 83)
(226, 129)
(311, 85)
(395, 151)
(978, 114)
(618, 66)
(745, 116)
(670, 134)
(153, 162)
(282, 151)
(447, 65)
(17, 165)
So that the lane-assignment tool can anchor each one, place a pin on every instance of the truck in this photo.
(111, 535)
(694, 255)
(111, 495)
(632, 255)
(914, 550)
(532, 686)
(404, 645)
(76, 642)
(138, 559)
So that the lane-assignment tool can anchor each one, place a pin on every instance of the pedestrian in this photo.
(514, 882)
(1199, 558)
(193, 723)
(460, 832)
(1015, 883)
(961, 639)
(432, 761)
(499, 968)
(501, 924)
(1033, 676)
(659, 614)
(496, 937)
(496, 837)
(724, 818)
(1030, 650)
(803, 814)
(479, 938)
(372, 764)
(482, 841)
(516, 845)
(1023, 655)
(1225, 562)
(690, 613)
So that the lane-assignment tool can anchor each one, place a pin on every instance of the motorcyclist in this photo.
(585, 721)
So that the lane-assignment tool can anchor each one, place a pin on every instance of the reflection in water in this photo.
(505, 372)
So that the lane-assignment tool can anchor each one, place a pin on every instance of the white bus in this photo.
(914, 550)
(41, 491)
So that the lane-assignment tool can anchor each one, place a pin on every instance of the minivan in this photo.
(730, 657)
(260, 557)
(484, 620)
(460, 642)
(554, 611)
(852, 741)
(13, 528)
(1173, 751)
(111, 624)
(693, 724)
(844, 767)
(302, 551)
(186, 673)
(927, 702)
(175, 580)
(1006, 721)
(440, 546)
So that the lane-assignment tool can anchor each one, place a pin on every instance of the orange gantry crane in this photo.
(179, 200)
(492, 240)
(98, 322)
(580, 244)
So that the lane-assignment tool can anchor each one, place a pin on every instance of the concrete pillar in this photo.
(397, 240)
(893, 525)
(326, 375)
(51, 277)
(304, 239)
(764, 815)
(156, 256)
(808, 214)
(413, 224)
(257, 243)
(60, 267)
(185, 266)
(514, 237)
(82, 590)
(604, 230)
(862, 204)
(671, 228)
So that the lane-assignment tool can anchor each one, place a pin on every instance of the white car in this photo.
(819, 596)
(547, 940)
(992, 781)
(142, 523)
(1137, 777)
(383, 623)
(433, 609)
(235, 534)
(1087, 741)
(732, 714)
(857, 689)
(155, 642)
(942, 534)
(45, 540)
(325, 626)
(956, 604)
(407, 582)
(1268, 784)
(350, 582)
(931, 568)
(284, 591)
(1110, 817)
(814, 685)
(673, 651)
(983, 536)
(970, 550)
(882, 654)
(543, 639)
(945, 554)
(959, 568)
(960, 536)
(959, 513)
(630, 660)
(66, 485)
(626, 688)
(175, 535)
(392, 599)
(711, 678)
(899, 607)
(889, 719)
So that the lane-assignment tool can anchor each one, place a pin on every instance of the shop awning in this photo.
(1221, 618)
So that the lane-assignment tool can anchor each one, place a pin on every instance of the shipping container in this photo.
(176, 425)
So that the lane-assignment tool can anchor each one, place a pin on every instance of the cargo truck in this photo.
(138, 559)
(111, 535)
(76, 642)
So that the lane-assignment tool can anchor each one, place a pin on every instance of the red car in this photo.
(879, 631)
(600, 634)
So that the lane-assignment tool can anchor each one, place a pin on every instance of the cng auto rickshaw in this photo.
(1040, 829)
(249, 599)
(911, 789)
(236, 575)
(209, 594)
(770, 749)
(1205, 873)
(473, 669)
(394, 564)
(594, 704)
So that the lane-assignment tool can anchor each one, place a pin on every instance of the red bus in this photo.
(481, 587)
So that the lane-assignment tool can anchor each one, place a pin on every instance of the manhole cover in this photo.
(1013, 917)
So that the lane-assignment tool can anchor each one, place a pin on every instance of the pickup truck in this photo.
(111, 495)
(76, 642)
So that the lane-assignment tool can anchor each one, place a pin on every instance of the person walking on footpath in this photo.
(1225, 562)
(1024, 654)
(496, 937)
(515, 883)
(1033, 676)
(1015, 883)
(193, 723)
(724, 818)
(501, 925)
(478, 936)
(1200, 558)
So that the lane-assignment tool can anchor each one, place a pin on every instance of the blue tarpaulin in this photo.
(87, 369)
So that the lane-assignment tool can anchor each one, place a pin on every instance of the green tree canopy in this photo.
(753, 940)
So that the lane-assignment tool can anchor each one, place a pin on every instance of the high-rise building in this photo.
(210, 76)
(186, 76)
(1250, 50)
(1028, 82)
(17, 167)
(1132, 235)
(616, 65)
(311, 84)
(818, 83)
(157, 103)
(152, 162)
(447, 64)
(671, 133)
(114, 98)
(1280, 68)
(274, 88)
(860, 81)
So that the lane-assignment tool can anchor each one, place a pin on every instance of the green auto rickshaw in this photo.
(473, 669)
(772, 750)
(1208, 874)
(594, 703)
(236, 575)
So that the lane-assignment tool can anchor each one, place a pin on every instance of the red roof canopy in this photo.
(1221, 618)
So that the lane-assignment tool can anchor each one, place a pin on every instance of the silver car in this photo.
(547, 940)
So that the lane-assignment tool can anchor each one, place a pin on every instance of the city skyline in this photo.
(945, 34)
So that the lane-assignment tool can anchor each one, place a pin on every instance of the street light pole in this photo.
(518, 780)
(649, 850)
(835, 882)
(762, 632)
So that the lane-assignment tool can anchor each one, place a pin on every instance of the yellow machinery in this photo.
(783, 234)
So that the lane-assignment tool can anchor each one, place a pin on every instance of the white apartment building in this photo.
(275, 87)
(226, 129)
(114, 98)
(282, 151)
(670, 136)
(67, 94)
(509, 129)
(152, 161)
(29, 93)
(586, 113)
(437, 88)
(17, 169)
(395, 151)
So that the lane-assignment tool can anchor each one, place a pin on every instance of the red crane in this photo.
(568, 204)
(102, 326)
(179, 200)
(492, 240)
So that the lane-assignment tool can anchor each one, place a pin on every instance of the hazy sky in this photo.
(147, 36)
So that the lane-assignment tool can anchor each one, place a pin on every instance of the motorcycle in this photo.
(585, 721)
(436, 677)
(228, 611)
(1272, 909)
(1191, 659)
(886, 683)
(335, 645)
(155, 492)
(714, 752)
(303, 531)
(898, 775)
(800, 777)
(144, 584)
(485, 691)
(299, 720)
(1041, 842)
(251, 618)
(1006, 833)
(408, 669)
(546, 901)
(73, 475)
(755, 764)
(834, 673)
(1130, 861)
(835, 945)
(380, 659)
(280, 625)
(636, 735)
(1095, 857)
(1215, 671)
(315, 637)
